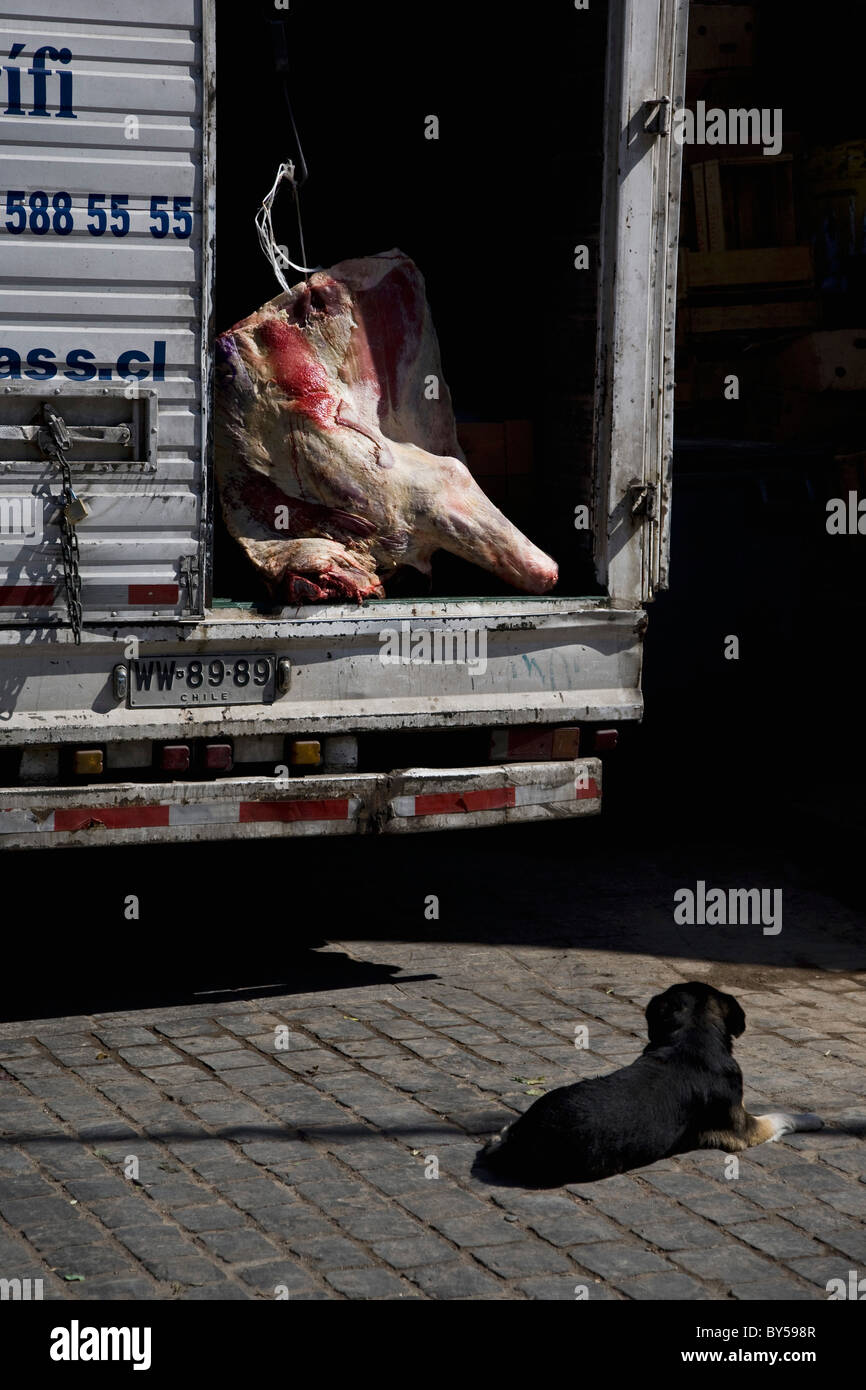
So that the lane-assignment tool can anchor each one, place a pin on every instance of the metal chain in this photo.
(69, 547)
(54, 441)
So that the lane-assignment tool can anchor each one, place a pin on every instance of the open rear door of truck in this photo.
(640, 231)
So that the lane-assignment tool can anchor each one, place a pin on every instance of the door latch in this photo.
(190, 575)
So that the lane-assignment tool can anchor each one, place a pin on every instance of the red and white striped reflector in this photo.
(175, 813)
(492, 799)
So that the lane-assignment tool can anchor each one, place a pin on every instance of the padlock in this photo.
(75, 510)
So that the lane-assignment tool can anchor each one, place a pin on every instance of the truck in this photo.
(144, 696)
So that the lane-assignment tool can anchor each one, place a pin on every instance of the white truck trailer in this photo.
(139, 702)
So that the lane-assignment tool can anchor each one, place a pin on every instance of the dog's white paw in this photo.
(783, 1123)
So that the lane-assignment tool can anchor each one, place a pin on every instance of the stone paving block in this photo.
(256, 1081)
(157, 1056)
(18, 1047)
(204, 1088)
(331, 1253)
(457, 1281)
(766, 1192)
(148, 1240)
(281, 1149)
(235, 1059)
(239, 1246)
(821, 1269)
(567, 1288)
(403, 1028)
(774, 1238)
(729, 1264)
(676, 1232)
(369, 1222)
(413, 1251)
(249, 1024)
(114, 1287)
(291, 1221)
(231, 1169)
(183, 1269)
(397, 1180)
(364, 1151)
(14, 1164)
(117, 1036)
(369, 1283)
(339, 1028)
(774, 1288)
(431, 1047)
(130, 1210)
(664, 1286)
(254, 1194)
(221, 1293)
(192, 1025)
(371, 1047)
(850, 1242)
(201, 1045)
(24, 1213)
(214, 1217)
(618, 1260)
(177, 1074)
(522, 1258)
(232, 1119)
(89, 1260)
(177, 1193)
(275, 1045)
(723, 1207)
(573, 1229)
(471, 1231)
(850, 1200)
(28, 1185)
(310, 1062)
(60, 1158)
(441, 1201)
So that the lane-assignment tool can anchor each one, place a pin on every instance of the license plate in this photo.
(203, 680)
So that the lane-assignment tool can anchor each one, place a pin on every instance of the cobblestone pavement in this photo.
(288, 1146)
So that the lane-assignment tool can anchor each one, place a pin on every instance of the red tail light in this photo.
(605, 740)
(174, 757)
(218, 757)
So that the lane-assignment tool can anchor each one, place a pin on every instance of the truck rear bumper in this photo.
(246, 808)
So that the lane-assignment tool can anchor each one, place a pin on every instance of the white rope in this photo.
(264, 227)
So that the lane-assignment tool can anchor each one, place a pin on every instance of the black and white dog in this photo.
(684, 1092)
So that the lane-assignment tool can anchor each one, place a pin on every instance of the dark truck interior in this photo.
(772, 290)
(491, 213)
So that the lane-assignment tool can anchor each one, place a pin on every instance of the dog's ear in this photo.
(735, 1019)
(667, 1012)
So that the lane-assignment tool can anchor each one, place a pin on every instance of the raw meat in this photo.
(335, 465)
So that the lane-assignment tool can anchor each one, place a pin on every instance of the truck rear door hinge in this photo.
(642, 499)
(656, 115)
(190, 576)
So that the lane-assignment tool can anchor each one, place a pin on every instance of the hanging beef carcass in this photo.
(336, 450)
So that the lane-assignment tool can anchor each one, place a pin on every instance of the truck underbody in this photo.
(320, 756)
